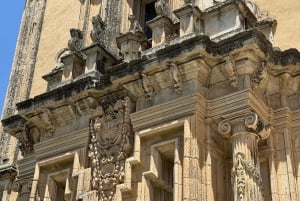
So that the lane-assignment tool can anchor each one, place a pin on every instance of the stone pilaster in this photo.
(244, 131)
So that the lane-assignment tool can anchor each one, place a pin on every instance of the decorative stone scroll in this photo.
(110, 144)
(76, 41)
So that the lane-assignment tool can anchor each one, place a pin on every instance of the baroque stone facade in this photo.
(154, 101)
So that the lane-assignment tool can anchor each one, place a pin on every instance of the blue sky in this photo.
(10, 19)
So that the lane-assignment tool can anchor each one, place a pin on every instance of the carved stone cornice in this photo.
(249, 122)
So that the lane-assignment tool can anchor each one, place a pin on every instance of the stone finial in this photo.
(135, 27)
(76, 41)
(97, 34)
(161, 7)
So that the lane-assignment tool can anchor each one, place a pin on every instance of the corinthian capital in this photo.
(249, 122)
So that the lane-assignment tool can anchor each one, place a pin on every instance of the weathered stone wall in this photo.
(287, 15)
(59, 17)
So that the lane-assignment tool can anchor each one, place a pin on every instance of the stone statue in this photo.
(75, 43)
(135, 27)
(98, 29)
(161, 7)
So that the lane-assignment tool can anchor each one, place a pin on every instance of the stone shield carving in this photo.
(110, 145)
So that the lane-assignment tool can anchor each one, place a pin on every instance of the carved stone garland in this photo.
(110, 145)
(244, 132)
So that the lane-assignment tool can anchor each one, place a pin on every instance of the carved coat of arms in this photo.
(110, 145)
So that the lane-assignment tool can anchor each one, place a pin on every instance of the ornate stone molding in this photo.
(110, 144)
(76, 41)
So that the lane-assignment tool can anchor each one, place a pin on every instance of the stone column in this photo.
(244, 131)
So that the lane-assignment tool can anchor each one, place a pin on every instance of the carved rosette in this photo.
(110, 144)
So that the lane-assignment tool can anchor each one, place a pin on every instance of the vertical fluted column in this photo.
(244, 131)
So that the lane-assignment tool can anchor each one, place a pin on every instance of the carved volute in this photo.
(244, 132)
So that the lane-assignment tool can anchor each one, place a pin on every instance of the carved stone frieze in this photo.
(110, 145)
(161, 7)
(76, 41)
(175, 77)
(147, 86)
(97, 34)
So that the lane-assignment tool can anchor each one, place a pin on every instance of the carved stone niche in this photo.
(111, 141)
(98, 59)
(133, 42)
(190, 19)
(73, 66)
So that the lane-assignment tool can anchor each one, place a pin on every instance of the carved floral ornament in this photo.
(110, 144)
(249, 122)
(240, 171)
